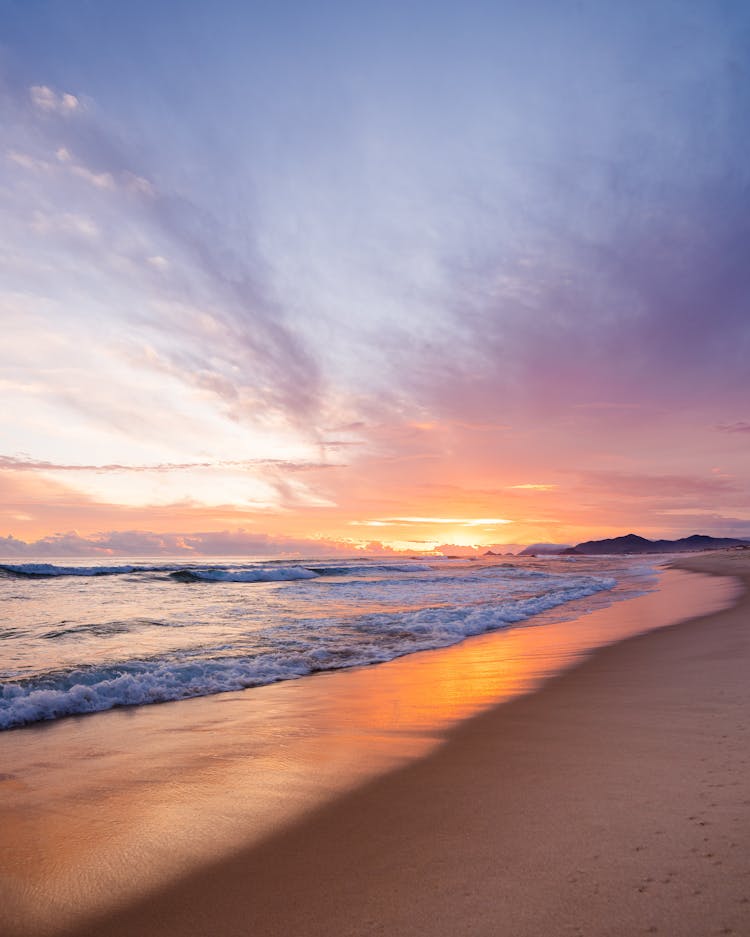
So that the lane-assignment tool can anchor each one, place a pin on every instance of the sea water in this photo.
(78, 636)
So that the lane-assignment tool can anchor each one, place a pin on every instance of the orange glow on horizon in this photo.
(384, 498)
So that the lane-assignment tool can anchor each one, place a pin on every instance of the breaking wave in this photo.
(249, 572)
(283, 652)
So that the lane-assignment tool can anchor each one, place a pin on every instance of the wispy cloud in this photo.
(63, 162)
(434, 521)
(661, 487)
(532, 487)
(503, 272)
(48, 100)
(23, 464)
(686, 523)
(740, 426)
(252, 355)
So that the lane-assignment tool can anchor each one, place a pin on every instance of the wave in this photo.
(49, 570)
(350, 642)
(369, 568)
(268, 572)
(276, 574)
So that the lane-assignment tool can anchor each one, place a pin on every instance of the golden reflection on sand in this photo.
(98, 808)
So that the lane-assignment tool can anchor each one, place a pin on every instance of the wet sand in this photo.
(612, 801)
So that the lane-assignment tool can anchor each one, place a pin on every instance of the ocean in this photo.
(78, 636)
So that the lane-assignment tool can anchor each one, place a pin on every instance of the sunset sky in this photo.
(297, 277)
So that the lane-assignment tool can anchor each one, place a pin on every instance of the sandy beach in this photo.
(612, 801)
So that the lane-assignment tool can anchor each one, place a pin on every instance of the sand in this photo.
(614, 801)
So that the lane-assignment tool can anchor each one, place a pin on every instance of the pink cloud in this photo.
(147, 543)
(741, 426)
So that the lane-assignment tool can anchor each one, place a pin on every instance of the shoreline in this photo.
(210, 883)
(612, 801)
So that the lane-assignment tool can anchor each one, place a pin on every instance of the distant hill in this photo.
(545, 548)
(632, 543)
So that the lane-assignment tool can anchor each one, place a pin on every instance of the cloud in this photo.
(21, 463)
(741, 426)
(237, 542)
(65, 161)
(65, 223)
(271, 369)
(26, 161)
(460, 521)
(532, 487)
(506, 255)
(49, 101)
(460, 549)
(250, 361)
(681, 524)
(434, 521)
(660, 487)
(100, 180)
(139, 184)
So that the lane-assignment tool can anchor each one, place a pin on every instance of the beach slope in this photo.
(615, 801)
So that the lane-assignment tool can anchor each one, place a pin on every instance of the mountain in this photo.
(632, 543)
(545, 548)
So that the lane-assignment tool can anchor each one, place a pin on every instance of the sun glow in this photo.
(532, 487)
(437, 521)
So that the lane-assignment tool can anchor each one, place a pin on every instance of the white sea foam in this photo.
(48, 570)
(345, 568)
(285, 650)
(215, 572)
(258, 574)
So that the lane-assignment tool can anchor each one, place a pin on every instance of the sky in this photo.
(314, 277)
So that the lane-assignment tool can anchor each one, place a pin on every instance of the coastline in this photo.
(449, 841)
(612, 801)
